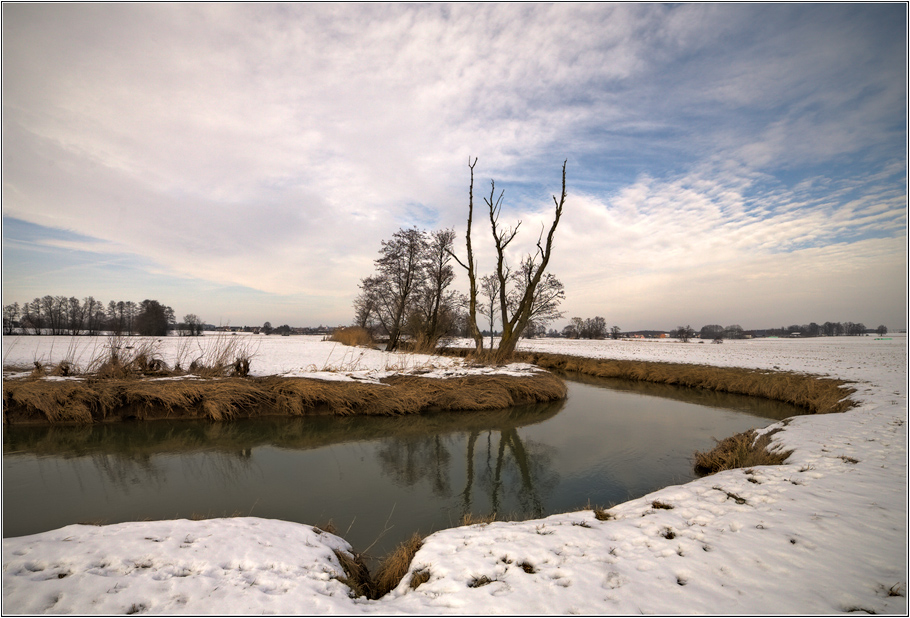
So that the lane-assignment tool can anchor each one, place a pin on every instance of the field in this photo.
(825, 532)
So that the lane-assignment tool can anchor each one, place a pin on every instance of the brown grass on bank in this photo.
(395, 565)
(814, 394)
(87, 401)
(392, 569)
(352, 336)
(740, 451)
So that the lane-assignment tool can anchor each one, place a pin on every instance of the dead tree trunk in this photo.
(513, 326)
(471, 267)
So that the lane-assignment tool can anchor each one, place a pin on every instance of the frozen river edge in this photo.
(824, 533)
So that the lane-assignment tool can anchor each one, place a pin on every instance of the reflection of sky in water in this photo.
(373, 478)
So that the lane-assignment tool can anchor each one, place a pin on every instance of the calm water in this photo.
(374, 478)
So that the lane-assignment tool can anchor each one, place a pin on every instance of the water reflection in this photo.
(420, 472)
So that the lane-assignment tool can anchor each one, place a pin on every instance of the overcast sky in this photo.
(741, 163)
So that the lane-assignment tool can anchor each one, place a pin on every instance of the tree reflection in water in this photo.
(512, 478)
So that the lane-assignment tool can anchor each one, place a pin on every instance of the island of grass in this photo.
(131, 381)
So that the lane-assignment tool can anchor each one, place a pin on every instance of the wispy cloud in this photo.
(270, 147)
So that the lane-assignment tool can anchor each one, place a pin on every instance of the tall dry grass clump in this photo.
(395, 565)
(743, 450)
(352, 336)
(391, 570)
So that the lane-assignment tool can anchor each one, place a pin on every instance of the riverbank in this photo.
(823, 533)
(84, 400)
(79, 384)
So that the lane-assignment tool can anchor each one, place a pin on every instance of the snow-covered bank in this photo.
(825, 533)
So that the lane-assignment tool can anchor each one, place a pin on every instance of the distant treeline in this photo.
(61, 315)
(596, 328)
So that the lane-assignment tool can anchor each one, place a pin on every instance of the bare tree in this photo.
(390, 291)
(489, 288)
(10, 318)
(435, 307)
(684, 333)
(514, 320)
(471, 267)
(548, 294)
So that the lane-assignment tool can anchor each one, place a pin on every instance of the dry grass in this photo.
(392, 569)
(92, 400)
(352, 336)
(357, 576)
(743, 450)
(469, 519)
(395, 565)
(420, 577)
(814, 394)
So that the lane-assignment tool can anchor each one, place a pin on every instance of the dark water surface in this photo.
(608, 442)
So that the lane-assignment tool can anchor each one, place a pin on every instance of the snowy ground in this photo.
(825, 533)
(296, 356)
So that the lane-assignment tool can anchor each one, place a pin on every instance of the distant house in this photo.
(796, 333)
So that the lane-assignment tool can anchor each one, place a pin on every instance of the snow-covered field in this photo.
(825, 533)
(306, 356)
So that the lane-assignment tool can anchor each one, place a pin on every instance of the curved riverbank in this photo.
(87, 400)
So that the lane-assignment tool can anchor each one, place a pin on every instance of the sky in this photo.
(726, 163)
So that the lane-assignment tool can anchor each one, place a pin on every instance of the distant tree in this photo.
(882, 330)
(489, 290)
(31, 317)
(579, 327)
(267, 328)
(94, 314)
(570, 331)
(153, 319)
(10, 318)
(615, 332)
(595, 328)
(734, 331)
(712, 331)
(75, 315)
(548, 294)
(683, 333)
(191, 326)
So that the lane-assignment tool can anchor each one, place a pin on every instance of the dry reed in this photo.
(814, 394)
(92, 400)
(395, 565)
(352, 336)
(743, 450)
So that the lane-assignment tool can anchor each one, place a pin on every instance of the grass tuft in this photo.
(395, 565)
(421, 576)
(480, 580)
(742, 450)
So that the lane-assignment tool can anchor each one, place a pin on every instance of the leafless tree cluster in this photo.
(410, 294)
(61, 315)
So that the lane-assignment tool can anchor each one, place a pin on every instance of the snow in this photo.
(296, 357)
(824, 533)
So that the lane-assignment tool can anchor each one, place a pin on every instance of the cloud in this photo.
(270, 147)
